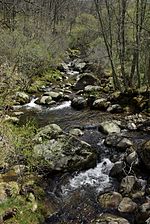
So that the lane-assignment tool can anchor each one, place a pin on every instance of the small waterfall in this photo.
(32, 104)
(61, 106)
(96, 178)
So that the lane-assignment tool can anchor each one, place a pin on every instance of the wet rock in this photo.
(117, 169)
(110, 200)
(145, 153)
(115, 108)
(108, 127)
(132, 158)
(79, 103)
(62, 152)
(48, 132)
(127, 205)
(91, 88)
(143, 213)
(76, 132)
(131, 126)
(46, 100)
(63, 67)
(100, 104)
(54, 95)
(78, 65)
(22, 98)
(86, 80)
(107, 218)
(127, 184)
(118, 141)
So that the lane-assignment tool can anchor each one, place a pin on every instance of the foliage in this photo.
(84, 31)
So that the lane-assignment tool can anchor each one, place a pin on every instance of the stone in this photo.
(118, 141)
(110, 200)
(145, 154)
(54, 95)
(46, 100)
(143, 213)
(78, 65)
(106, 218)
(22, 98)
(117, 169)
(63, 67)
(91, 88)
(48, 132)
(115, 108)
(76, 132)
(127, 184)
(127, 205)
(100, 104)
(108, 127)
(14, 120)
(85, 80)
(132, 158)
(65, 153)
(79, 103)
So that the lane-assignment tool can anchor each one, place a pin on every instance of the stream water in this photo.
(72, 198)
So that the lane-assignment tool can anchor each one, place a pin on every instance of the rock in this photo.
(117, 169)
(115, 108)
(22, 98)
(84, 81)
(118, 141)
(131, 126)
(31, 199)
(18, 113)
(100, 104)
(106, 218)
(110, 200)
(143, 213)
(14, 120)
(127, 184)
(46, 100)
(132, 158)
(63, 67)
(76, 132)
(54, 95)
(91, 88)
(79, 103)
(127, 205)
(108, 127)
(48, 132)
(145, 154)
(61, 152)
(78, 65)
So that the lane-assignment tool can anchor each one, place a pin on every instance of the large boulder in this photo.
(85, 80)
(108, 127)
(58, 151)
(110, 200)
(106, 218)
(145, 153)
(46, 100)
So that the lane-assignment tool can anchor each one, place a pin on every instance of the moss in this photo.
(24, 213)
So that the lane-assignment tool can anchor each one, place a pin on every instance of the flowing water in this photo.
(73, 197)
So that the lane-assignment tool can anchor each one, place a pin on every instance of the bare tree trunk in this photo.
(107, 45)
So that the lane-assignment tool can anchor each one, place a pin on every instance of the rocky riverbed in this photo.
(91, 150)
